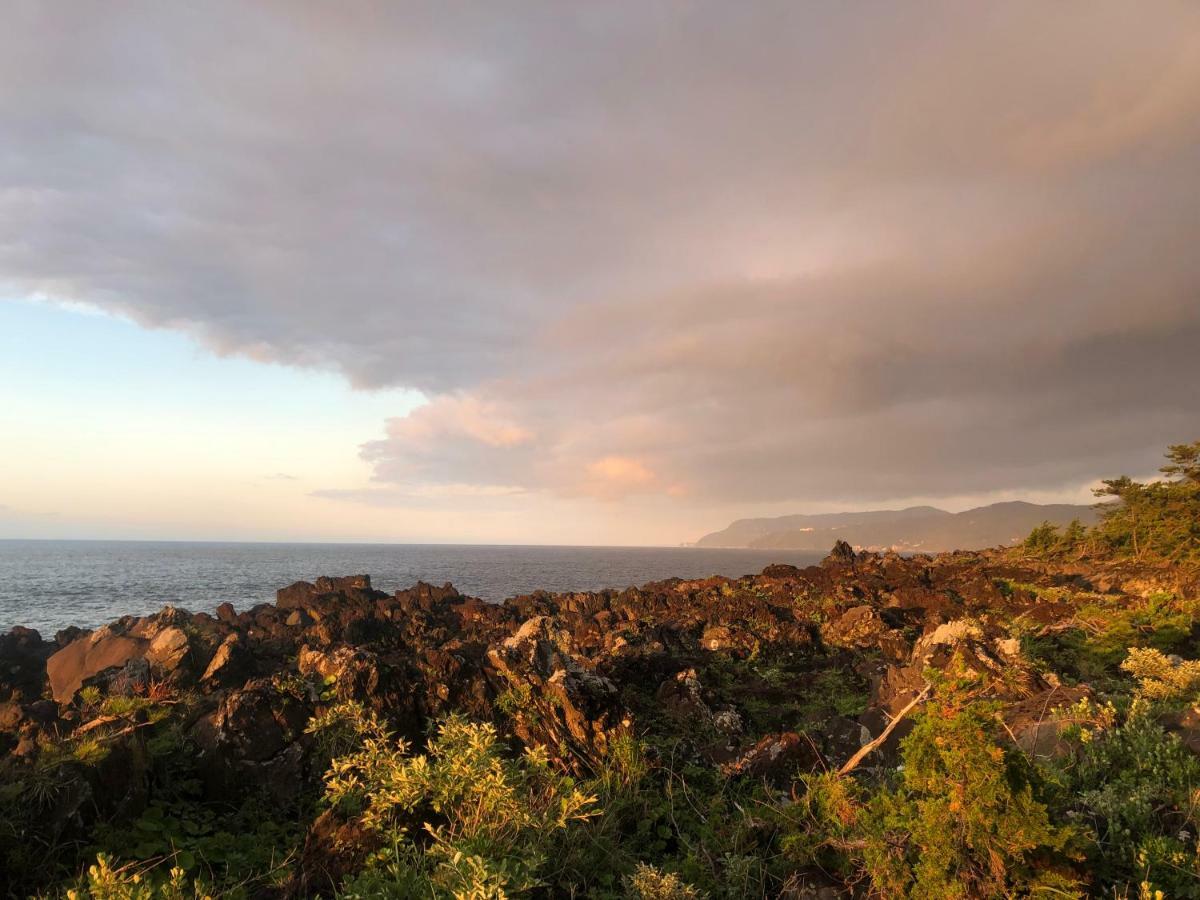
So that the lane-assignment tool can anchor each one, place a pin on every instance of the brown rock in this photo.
(575, 703)
(717, 637)
(23, 656)
(858, 627)
(780, 570)
(841, 553)
(256, 736)
(295, 595)
(1186, 725)
(841, 738)
(228, 665)
(680, 696)
(333, 849)
(353, 671)
(168, 649)
(11, 715)
(778, 758)
(1038, 723)
(89, 656)
(132, 678)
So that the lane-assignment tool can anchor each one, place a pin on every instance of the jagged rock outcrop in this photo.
(763, 677)
(254, 736)
(574, 705)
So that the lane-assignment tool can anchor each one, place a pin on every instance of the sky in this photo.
(616, 274)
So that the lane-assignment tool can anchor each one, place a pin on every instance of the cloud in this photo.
(454, 440)
(722, 253)
(459, 416)
(616, 476)
(418, 494)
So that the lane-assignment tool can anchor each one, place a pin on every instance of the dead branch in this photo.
(866, 749)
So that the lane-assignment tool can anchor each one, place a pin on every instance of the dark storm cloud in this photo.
(725, 251)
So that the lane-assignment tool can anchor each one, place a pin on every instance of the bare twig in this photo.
(866, 749)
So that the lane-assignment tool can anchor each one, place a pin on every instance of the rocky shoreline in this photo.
(762, 677)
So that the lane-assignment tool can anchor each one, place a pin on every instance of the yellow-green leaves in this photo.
(476, 820)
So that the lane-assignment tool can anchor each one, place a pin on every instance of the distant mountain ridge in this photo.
(916, 528)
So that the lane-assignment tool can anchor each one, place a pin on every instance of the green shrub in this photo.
(962, 817)
(1105, 631)
(648, 883)
(233, 848)
(134, 882)
(463, 819)
(964, 820)
(822, 828)
(664, 808)
(1138, 788)
(1161, 678)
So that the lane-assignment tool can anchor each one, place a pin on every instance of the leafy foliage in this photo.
(964, 820)
(648, 883)
(1136, 787)
(103, 881)
(1104, 629)
(664, 808)
(1161, 677)
(464, 818)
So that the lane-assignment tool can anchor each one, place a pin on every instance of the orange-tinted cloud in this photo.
(613, 477)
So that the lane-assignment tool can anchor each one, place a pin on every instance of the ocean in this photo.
(49, 585)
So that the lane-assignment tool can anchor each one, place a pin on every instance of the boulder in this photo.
(728, 722)
(87, 657)
(296, 595)
(333, 848)
(777, 758)
(23, 656)
(574, 703)
(1185, 724)
(857, 628)
(69, 634)
(1039, 723)
(303, 594)
(343, 584)
(229, 664)
(680, 697)
(841, 738)
(131, 679)
(353, 672)
(168, 650)
(841, 554)
(718, 637)
(255, 736)
(12, 714)
(780, 570)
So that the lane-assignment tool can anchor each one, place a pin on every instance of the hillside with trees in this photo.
(916, 529)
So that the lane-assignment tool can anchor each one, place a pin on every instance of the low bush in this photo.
(963, 818)
(463, 819)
